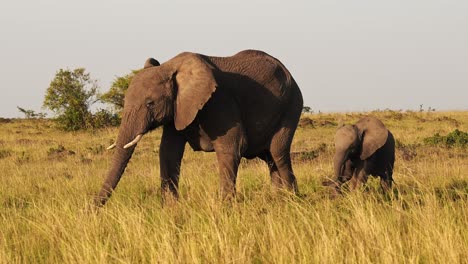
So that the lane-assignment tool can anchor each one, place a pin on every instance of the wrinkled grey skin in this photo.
(366, 148)
(247, 105)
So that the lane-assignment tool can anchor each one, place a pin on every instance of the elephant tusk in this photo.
(111, 146)
(133, 142)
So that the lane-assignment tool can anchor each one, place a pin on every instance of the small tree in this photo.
(70, 95)
(115, 95)
(306, 109)
(31, 114)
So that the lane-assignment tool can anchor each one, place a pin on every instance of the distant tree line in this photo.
(71, 95)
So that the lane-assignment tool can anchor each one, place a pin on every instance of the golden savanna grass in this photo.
(48, 179)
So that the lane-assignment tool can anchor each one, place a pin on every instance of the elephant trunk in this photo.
(120, 159)
(339, 164)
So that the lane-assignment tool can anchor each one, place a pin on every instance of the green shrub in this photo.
(455, 138)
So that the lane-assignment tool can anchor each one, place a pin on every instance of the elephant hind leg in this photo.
(386, 180)
(274, 173)
(359, 178)
(280, 144)
(280, 149)
(385, 184)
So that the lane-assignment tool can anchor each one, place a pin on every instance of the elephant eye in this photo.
(149, 103)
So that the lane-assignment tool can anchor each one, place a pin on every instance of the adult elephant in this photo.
(363, 149)
(247, 105)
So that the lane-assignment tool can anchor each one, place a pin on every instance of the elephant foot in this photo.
(386, 185)
(169, 201)
(227, 195)
(100, 200)
(334, 188)
(285, 187)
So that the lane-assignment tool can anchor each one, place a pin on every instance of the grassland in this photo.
(48, 178)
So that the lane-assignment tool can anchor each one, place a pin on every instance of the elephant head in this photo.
(159, 94)
(358, 142)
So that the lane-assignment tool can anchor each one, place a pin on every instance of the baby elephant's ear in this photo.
(374, 134)
(195, 84)
(151, 63)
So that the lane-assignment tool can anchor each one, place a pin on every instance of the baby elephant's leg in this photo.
(359, 178)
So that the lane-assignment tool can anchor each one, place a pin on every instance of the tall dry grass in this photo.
(45, 192)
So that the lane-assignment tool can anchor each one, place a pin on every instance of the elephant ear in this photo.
(195, 84)
(151, 63)
(373, 135)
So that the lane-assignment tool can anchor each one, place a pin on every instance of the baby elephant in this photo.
(366, 148)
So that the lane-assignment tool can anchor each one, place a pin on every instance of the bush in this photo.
(104, 118)
(455, 138)
(69, 96)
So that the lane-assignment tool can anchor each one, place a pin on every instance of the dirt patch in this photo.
(306, 122)
(304, 155)
(310, 123)
(96, 149)
(326, 123)
(450, 120)
(407, 151)
(59, 152)
(86, 160)
(23, 157)
(4, 153)
(24, 141)
(308, 155)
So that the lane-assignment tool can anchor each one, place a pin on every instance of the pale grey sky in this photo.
(345, 55)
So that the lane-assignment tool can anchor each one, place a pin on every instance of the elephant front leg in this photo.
(229, 149)
(228, 166)
(171, 152)
(229, 152)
